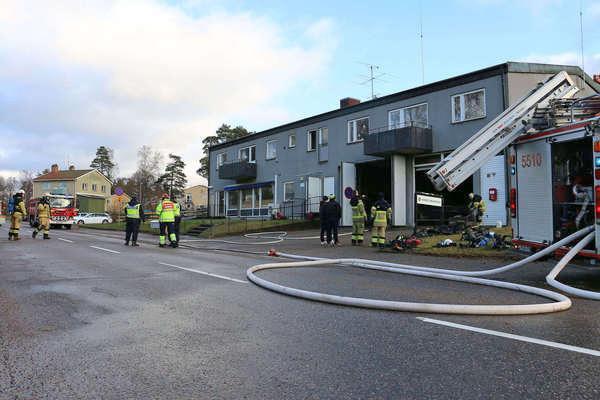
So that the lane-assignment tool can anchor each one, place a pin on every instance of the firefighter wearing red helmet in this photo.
(17, 215)
(166, 218)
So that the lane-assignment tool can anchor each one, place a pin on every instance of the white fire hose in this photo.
(560, 303)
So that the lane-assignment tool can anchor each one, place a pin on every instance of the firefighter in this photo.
(177, 222)
(381, 212)
(17, 215)
(134, 216)
(166, 218)
(43, 214)
(358, 219)
(477, 207)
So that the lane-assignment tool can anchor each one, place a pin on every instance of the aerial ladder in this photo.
(498, 134)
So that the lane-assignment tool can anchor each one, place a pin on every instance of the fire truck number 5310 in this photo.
(531, 160)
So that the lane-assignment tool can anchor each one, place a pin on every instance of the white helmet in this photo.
(21, 191)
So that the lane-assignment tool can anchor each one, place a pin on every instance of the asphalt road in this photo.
(87, 318)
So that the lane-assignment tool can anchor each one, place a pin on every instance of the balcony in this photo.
(238, 170)
(415, 138)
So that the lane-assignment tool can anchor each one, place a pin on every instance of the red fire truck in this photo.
(62, 210)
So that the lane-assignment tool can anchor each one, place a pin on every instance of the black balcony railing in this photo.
(411, 138)
(238, 170)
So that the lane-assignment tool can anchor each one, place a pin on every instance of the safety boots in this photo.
(354, 242)
(134, 244)
(46, 236)
(126, 243)
(34, 234)
(15, 236)
(10, 235)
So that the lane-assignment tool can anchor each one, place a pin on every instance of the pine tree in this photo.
(104, 162)
(225, 133)
(174, 180)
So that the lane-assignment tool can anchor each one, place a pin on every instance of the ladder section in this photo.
(498, 134)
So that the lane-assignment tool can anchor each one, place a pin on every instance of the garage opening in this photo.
(455, 202)
(572, 186)
(372, 178)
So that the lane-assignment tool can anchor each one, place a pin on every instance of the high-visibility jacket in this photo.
(133, 211)
(358, 212)
(177, 210)
(381, 212)
(166, 211)
(43, 210)
(19, 208)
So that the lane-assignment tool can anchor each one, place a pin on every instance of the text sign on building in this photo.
(429, 200)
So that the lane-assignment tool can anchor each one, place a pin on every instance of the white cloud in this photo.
(76, 75)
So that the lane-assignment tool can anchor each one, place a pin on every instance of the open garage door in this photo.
(348, 180)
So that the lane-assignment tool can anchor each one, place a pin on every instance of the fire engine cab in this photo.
(62, 210)
(552, 140)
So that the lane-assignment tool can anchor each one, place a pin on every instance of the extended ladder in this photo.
(498, 134)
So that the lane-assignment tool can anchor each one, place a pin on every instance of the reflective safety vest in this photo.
(133, 211)
(166, 211)
(43, 210)
(381, 216)
(177, 210)
(358, 212)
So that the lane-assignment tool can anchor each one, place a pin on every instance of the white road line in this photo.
(514, 337)
(204, 273)
(65, 240)
(103, 249)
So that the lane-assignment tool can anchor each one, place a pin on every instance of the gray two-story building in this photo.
(382, 145)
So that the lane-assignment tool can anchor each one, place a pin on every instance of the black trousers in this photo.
(323, 230)
(176, 227)
(132, 228)
(332, 231)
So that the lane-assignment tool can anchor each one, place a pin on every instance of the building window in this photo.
(358, 129)
(233, 200)
(84, 186)
(271, 149)
(248, 154)
(266, 199)
(94, 187)
(247, 198)
(416, 115)
(188, 198)
(311, 140)
(323, 136)
(288, 191)
(468, 106)
(221, 159)
(292, 141)
(103, 189)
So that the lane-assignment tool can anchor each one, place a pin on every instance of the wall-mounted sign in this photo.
(429, 200)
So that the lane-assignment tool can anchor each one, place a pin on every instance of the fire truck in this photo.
(62, 210)
(552, 143)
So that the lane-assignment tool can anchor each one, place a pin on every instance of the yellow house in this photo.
(91, 189)
(194, 197)
(117, 203)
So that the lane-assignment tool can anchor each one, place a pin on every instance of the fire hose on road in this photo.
(560, 303)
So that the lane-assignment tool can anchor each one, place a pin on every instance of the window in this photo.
(103, 189)
(84, 186)
(233, 200)
(266, 196)
(188, 198)
(292, 141)
(221, 159)
(409, 116)
(248, 154)
(271, 149)
(94, 187)
(358, 129)
(468, 106)
(247, 198)
(323, 136)
(311, 140)
(288, 191)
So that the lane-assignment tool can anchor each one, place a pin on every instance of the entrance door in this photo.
(314, 194)
(348, 180)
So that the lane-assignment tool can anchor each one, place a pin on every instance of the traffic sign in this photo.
(119, 191)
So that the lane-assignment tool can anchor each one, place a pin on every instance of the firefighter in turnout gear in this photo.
(358, 219)
(381, 213)
(477, 207)
(166, 218)
(17, 215)
(177, 218)
(43, 215)
(134, 216)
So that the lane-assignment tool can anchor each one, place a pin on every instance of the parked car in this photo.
(93, 218)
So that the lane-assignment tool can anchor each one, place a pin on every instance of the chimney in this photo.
(71, 168)
(54, 168)
(597, 78)
(348, 102)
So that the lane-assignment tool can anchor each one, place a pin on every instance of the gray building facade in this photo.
(383, 145)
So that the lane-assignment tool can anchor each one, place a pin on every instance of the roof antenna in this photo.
(371, 78)
(581, 33)
(421, 38)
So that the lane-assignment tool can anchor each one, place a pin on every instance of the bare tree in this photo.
(148, 171)
(26, 183)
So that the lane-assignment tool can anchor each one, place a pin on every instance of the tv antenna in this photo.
(421, 40)
(581, 33)
(373, 75)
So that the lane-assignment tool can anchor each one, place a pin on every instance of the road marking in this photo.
(103, 249)
(65, 240)
(514, 337)
(204, 273)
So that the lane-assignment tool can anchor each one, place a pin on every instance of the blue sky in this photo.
(166, 73)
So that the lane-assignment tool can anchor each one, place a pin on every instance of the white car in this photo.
(93, 218)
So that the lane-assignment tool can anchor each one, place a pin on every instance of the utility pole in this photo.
(581, 33)
(421, 38)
